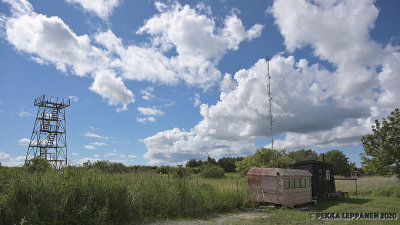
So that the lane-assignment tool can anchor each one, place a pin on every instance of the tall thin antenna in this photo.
(270, 103)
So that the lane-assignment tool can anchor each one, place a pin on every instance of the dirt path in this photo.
(249, 216)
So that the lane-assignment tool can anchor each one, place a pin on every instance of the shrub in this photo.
(212, 171)
(163, 170)
(38, 165)
(110, 167)
(180, 172)
(264, 157)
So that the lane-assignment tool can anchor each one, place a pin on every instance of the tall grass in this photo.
(371, 186)
(89, 196)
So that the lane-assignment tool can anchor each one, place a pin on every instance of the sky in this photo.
(162, 82)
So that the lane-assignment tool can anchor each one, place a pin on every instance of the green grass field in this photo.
(371, 186)
(290, 216)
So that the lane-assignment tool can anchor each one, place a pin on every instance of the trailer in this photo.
(279, 186)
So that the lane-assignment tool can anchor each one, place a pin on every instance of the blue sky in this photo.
(155, 83)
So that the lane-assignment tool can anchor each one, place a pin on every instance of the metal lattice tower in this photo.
(49, 140)
(270, 102)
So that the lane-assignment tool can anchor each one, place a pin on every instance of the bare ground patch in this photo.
(250, 216)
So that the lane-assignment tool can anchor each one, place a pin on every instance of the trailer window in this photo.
(303, 183)
(297, 182)
(328, 175)
(308, 182)
(292, 183)
(286, 184)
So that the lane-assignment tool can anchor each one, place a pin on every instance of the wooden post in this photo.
(356, 188)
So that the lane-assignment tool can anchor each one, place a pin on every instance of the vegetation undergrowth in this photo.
(78, 195)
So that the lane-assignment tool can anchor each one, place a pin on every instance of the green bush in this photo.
(38, 165)
(212, 171)
(264, 157)
(164, 170)
(180, 172)
(110, 167)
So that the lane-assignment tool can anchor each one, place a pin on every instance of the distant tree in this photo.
(341, 165)
(211, 161)
(264, 157)
(228, 163)
(193, 163)
(38, 165)
(382, 148)
(302, 155)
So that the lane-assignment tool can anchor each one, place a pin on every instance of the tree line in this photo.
(265, 157)
(212, 168)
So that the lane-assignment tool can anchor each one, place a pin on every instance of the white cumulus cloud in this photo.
(338, 31)
(102, 8)
(192, 32)
(111, 87)
(24, 141)
(94, 135)
(73, 98)
(50, 41)
(99, 143)
(23, 113)
(148, 93)
(4, 156)
(7, 160)
(176, 146)
(308, 113)
(199, 43)
(91, 147)
(150, 111)
(151, 119)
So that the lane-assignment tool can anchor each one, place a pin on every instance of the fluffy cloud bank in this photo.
(241, 115)
(176, 146)
(7, 160)
(50, 41)
(199, 44)
(338, 31)
(312, 106)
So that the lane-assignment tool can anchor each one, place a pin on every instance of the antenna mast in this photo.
(270, 103)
